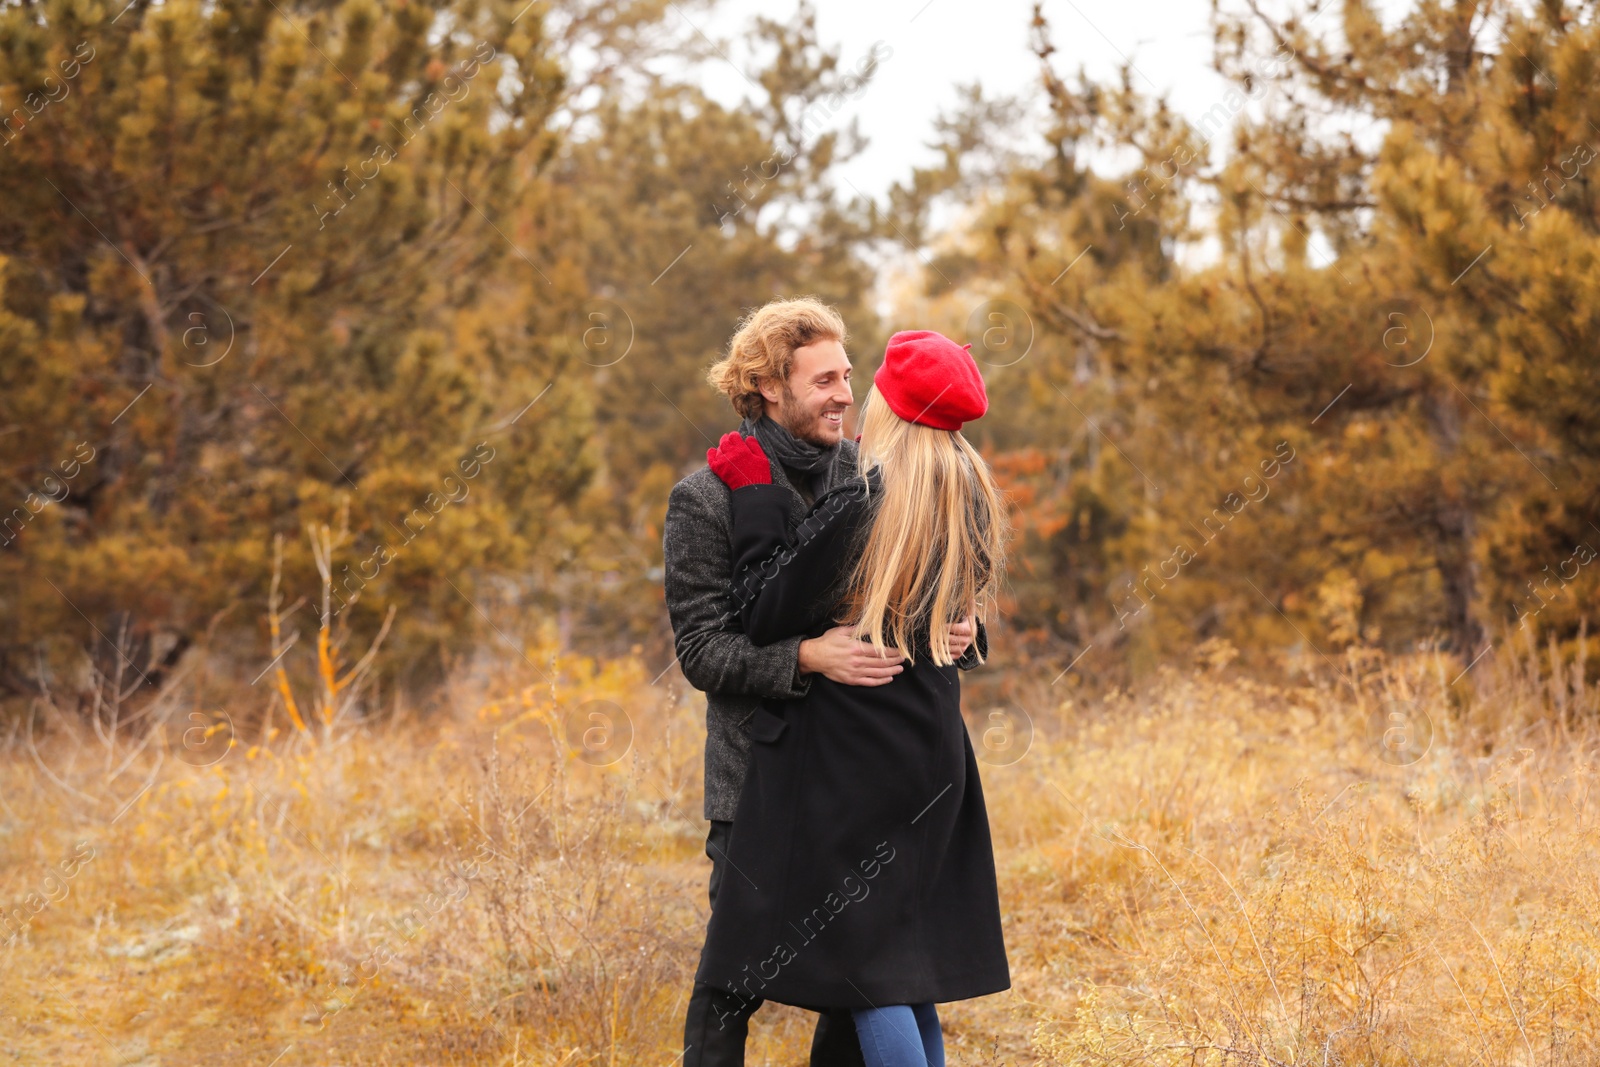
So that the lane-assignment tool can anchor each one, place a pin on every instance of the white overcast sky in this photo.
(940, 44)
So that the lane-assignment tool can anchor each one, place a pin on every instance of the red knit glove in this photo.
(739, 462)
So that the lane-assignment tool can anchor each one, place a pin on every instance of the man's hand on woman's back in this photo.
(961, 635)
(841, 657)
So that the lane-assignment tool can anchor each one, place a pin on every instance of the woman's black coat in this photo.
(860, 871)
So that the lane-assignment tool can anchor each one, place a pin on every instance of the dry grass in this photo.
(1211, 871)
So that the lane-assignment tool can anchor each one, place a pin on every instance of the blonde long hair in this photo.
(935, 547)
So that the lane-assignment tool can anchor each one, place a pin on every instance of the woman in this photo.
(860, 869)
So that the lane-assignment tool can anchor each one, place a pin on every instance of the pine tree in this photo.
(239, 244)
(1398, 314)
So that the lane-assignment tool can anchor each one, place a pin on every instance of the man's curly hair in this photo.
(762, 350)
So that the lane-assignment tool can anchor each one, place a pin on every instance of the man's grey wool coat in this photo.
(713, 652)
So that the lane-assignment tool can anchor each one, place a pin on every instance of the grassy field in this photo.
(1210, 870)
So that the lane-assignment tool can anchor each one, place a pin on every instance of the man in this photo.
(787, 375)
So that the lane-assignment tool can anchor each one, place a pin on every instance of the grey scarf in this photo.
(795, 454)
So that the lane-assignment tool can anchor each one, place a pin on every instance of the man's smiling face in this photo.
(811, 404)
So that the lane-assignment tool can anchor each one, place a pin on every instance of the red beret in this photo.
(929, 379)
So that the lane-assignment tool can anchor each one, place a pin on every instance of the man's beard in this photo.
(803, 424)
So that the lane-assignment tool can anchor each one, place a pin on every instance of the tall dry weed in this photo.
(1392, 863)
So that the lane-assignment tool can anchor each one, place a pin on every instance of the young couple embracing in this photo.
(825, 594)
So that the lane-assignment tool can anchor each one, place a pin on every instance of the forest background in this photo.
(349, 349)
(406, 275)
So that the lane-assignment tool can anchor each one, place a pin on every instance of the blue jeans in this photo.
(900, 1035)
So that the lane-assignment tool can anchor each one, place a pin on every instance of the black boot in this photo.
(835, 1043)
